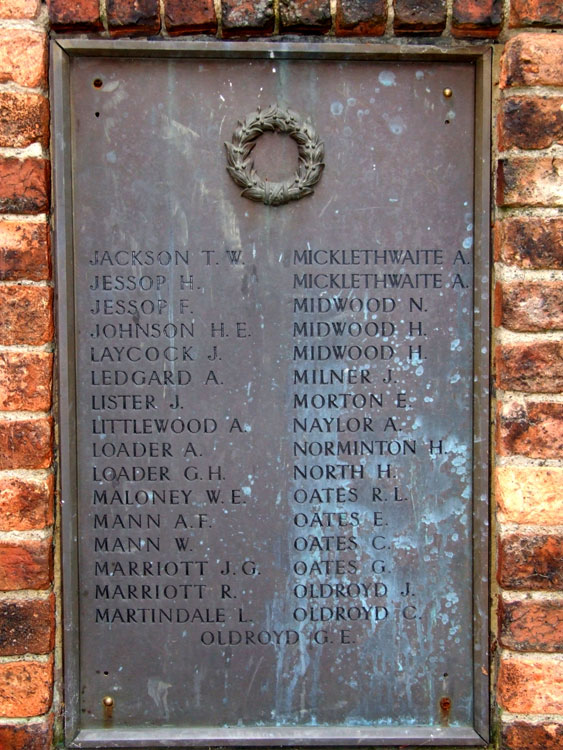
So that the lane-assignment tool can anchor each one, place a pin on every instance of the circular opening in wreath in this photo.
(275, 157)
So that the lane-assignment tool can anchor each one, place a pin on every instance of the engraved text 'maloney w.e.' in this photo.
(241, 167)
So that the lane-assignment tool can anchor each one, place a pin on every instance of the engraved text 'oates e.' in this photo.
(273, 438)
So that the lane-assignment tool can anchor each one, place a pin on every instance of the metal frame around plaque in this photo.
(63, 51)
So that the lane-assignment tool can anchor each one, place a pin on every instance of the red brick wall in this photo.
(27, 602)
(527, 669)
(529, 379)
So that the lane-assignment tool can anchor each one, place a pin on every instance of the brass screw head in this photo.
(107, 701)
(448, 93)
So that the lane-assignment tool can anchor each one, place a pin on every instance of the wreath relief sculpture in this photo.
(241, 167)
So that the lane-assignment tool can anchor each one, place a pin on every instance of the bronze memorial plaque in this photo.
(272, 266)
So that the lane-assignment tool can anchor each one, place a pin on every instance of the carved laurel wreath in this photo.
(241, 167)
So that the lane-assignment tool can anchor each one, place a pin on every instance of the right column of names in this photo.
(374, 333)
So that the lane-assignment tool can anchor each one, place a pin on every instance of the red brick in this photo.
(27, 626)
(530, 242)
(25, 504)
(536, 13)
(523, 736)
(25, 381)
(535, 367)
(24, 119)
(74, 15)
(477, 18)
(247, 17)
(529, 494)
(532, 306)
(534, 430)
(523, 181)
(12, 9)
(24, 250)
(531, 122)
(26, 565)
(26, 315)
(25, 688)
(419, 16)
(531, 561)
(531, 685)
(195, 17)
(497, 305)
(24, 186)
(305, 15)
(23, 57)
(532, 60)
(130, 17)
(531, 625)
(36, 736)
(361, 17)
(25, 444)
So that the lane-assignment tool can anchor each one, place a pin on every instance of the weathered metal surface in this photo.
(274, 443)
